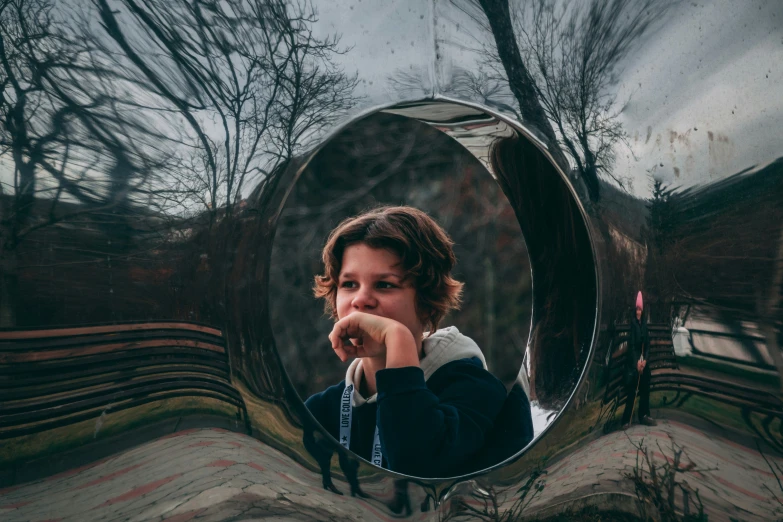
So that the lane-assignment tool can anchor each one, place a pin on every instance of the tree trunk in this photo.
(590, 172)
(8, 291)
(519, 80)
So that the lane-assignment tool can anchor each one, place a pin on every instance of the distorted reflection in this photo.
(156, 303)
(713, 302)
(562, 266)
(132, 135)
(153, 122)
(552, 64)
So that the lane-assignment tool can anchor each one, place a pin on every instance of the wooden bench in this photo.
(668, 376)
(55, 377)
(661, 355)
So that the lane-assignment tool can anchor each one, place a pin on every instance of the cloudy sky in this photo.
(703, 88)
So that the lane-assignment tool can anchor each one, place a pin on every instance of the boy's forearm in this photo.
(401, 349)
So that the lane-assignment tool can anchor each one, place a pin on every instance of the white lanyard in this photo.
(346, 418)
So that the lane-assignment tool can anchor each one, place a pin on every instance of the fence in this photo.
(55, 377)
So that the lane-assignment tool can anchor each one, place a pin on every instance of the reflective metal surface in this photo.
(159, 164)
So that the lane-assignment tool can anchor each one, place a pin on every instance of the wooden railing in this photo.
(667, 375)
(55, 377)
(661, 356)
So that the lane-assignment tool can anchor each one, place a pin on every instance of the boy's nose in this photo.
(364, 299)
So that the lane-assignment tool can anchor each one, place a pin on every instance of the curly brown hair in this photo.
(423, 246)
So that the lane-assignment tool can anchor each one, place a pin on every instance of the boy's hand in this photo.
(350, 333)
(640, 364)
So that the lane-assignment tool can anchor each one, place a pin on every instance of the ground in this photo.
(212, 474)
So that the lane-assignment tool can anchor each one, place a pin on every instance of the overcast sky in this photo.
(709, 69)
(704, 88)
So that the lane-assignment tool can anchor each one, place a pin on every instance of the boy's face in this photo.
(371, 281)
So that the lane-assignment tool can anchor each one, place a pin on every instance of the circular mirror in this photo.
(474, 175)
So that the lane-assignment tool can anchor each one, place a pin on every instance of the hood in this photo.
(442, 347)
(448, 344)
(354, 376)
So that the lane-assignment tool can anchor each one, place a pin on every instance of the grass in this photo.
(580, 426)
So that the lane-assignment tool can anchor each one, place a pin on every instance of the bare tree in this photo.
(497, 19)
(480, 85)
(74, 149)
(561, 59)
(575, 50)
(250, 79)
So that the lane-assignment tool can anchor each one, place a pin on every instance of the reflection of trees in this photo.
(659, 236)
(721, 247)
(563, 272)
(249, 78)
(67, 136)
(518, 74)
(478, 85)
(246, 84)
(166, 106)
(561, 60)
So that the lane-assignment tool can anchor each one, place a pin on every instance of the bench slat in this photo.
(92, 330)
(55, 377)
(45, 388)
(91, 362)
(10, 358)
(61, 421)
(44, 409)
(726, 399)
(662, 361)
(51, 343)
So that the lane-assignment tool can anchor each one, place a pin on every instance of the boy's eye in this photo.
(386, 284)
(347, 284)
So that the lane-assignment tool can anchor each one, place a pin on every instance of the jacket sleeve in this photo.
(429, 435)
(633, 354)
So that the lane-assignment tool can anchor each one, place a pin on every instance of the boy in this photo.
(416, 400)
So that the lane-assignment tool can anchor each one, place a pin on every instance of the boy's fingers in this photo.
(344, 350)
(337, 346)
(343, 354)
(348, 335)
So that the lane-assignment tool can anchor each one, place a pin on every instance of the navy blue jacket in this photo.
(435, 428)
(513, 430)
